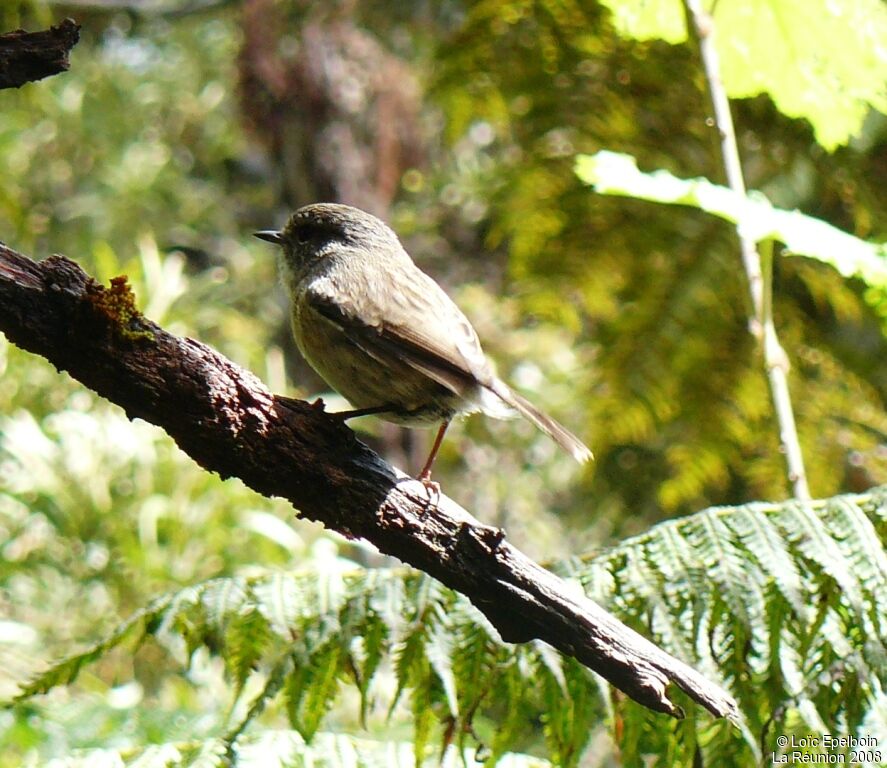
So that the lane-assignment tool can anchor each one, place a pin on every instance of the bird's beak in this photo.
(271, 235)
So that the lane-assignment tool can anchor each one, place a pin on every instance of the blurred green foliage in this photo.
(676, 403)
(128, 164)
(826, 66)
(782, 603)
(626, 320)
(614, 174)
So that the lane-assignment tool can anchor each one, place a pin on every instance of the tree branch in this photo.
(27, 56)
(776, 361)
(227, 421)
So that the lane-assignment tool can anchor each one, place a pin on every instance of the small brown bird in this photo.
(383, 334)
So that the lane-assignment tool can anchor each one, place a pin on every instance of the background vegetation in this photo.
(181, 129)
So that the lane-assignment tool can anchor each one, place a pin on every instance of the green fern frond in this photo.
(759, 537)
(65, 671)
(784, 604)
(248, 636)
(282, 749)
(277, 678)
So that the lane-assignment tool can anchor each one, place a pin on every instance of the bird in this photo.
(384, 334)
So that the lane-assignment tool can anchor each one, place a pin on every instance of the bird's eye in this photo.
(302, 236)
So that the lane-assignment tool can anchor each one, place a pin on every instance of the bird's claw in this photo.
(431, 488)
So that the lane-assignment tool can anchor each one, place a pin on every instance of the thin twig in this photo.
(759, 278)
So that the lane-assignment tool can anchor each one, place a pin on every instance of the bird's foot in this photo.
(356, 412)
(431, 488)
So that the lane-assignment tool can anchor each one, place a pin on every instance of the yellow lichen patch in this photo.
(117, 304)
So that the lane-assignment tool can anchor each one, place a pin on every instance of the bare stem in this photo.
(759, 277)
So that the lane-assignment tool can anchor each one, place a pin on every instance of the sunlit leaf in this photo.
(616, 174)
(822, 60)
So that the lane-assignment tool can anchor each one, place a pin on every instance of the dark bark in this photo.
(27, 56)
(227, 421)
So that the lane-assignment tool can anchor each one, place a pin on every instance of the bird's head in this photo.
(326, 230)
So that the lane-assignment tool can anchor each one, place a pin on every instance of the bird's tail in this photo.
(561, 435)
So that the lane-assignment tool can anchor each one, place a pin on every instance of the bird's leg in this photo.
(425, 474)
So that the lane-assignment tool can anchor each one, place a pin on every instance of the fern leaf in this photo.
(439, 650)
(278, 749)
(247, 639)
(762, 540)
(784, 604)
(65, 671)
(803, 528)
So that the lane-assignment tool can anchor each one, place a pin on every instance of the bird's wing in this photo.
(407, 316)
